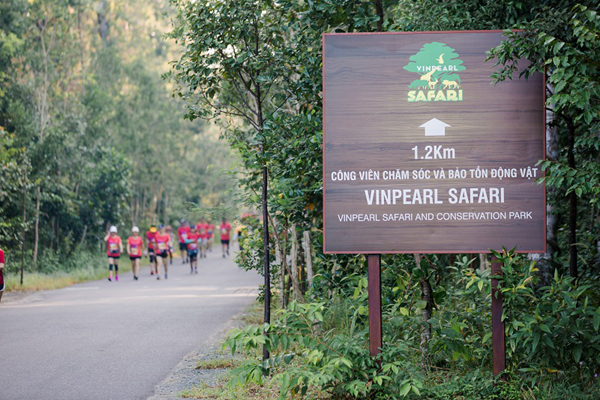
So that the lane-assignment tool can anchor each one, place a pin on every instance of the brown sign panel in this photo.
(422, 153)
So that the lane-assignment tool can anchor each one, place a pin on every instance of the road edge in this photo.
(185, 374)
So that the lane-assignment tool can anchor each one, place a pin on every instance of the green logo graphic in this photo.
(437, 67)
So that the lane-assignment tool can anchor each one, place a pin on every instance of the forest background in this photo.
(261, 62)
(90, 134)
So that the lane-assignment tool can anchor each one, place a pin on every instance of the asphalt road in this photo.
(103, 340)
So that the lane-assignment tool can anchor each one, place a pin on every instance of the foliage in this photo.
(88, 132)
(570, 58)
(322, 343)
(551, 329)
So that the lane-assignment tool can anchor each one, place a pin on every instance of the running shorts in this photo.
(225, 241)
(135, 257)
(114, 256)
(164, 254)
(182, 246)
(193, 254)
(1, 281)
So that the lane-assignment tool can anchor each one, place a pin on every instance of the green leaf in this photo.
(404, 389)
(577, 350)
(596, 321)
(421, 304)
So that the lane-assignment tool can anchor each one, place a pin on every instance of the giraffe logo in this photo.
(437, 66)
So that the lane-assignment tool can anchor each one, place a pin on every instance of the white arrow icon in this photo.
(435, 127)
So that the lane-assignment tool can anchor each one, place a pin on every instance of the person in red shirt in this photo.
(211, 235)
(1, 273)
(134, 248)
(225, 230)
(192, 242)
(169, 231)
(151, 252)
(162, 244)
(182, 233)
(114, 249)
(202, 228)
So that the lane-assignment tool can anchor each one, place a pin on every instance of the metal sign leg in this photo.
(375, 335)
(498, 345)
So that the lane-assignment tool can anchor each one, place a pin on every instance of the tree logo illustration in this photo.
(437, 66)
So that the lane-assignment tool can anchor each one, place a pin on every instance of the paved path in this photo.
(103, 340)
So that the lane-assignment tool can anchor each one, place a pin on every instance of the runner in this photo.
(225, 229)
(203, 232)
(150, 236)
(134, 249)
(1, 273)
(163, 241)
(182, 232)
(114, 250)
(192, 249)
(169, 231)
(211, 235)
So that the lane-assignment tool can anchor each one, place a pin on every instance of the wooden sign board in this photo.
(422, 153)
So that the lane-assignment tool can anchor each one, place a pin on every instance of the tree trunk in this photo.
(379, 12)
(23, 235)
(545, 261)
(427, 296)
(572, 204)
(37, 226)
(279, 261)
(57, 233)
(483, 262)
(308, 258)
(165, 212)
(294, 264)
(82, 53)
(83, 236)
(267, 268)
(103, 26)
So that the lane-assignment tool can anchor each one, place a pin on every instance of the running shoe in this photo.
(157, 277)
(116, 278)
(135, 278)
(196, 270)
(151, 272)
(166, 277)
(110, 280)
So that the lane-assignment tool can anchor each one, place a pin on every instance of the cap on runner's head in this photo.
(168, 227)
(113, 229)
(161, 226)
(135, 229)
(182, 220)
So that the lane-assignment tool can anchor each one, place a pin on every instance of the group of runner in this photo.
(194, 242)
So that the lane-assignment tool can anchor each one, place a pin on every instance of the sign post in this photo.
(498, 333)
(374, 287)
(422, 154)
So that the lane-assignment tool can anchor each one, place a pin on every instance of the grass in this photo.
(222, 391)
(219, 363)
(34, 281)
